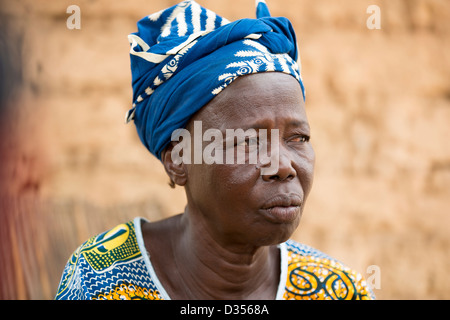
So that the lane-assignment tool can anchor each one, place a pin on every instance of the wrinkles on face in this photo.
(230, 196)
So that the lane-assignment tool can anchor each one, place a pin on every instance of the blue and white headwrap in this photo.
(183, 56)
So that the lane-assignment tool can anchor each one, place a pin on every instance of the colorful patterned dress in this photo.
(115, 265)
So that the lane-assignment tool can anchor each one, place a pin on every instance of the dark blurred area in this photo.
(10, 91)
(16, 216)
(10, 64)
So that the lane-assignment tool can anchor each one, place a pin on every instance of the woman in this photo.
(193, 69)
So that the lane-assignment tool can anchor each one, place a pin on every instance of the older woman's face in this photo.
(237, 203)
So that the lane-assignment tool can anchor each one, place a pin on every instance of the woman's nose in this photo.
(281, 166)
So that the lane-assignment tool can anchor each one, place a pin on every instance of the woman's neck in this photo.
(209, 269)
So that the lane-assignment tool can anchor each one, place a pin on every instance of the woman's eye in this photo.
(301, 138)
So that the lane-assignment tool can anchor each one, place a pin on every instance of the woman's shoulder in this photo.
(116, 244)
(100, 263)
(313, 274)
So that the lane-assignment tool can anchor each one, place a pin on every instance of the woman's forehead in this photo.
(256, 101)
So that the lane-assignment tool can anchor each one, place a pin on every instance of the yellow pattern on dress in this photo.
(115, 245)
(316, 278)
(130, 292)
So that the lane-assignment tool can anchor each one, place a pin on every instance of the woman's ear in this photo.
(175, 169)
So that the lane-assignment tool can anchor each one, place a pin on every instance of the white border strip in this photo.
(284, 270)
(146, 255)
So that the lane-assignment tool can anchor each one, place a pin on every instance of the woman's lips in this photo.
(283, 208)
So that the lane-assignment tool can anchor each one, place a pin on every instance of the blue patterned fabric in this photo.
(115, 266)
(108, 266)
(183, 56)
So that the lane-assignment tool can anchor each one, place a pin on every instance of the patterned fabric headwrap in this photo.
(183, 56)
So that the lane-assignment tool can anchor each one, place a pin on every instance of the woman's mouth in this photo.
(283, 208)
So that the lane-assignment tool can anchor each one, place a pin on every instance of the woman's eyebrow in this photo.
(267, 124)
(298, 124)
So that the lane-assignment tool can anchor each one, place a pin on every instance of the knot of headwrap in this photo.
(183, 56)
